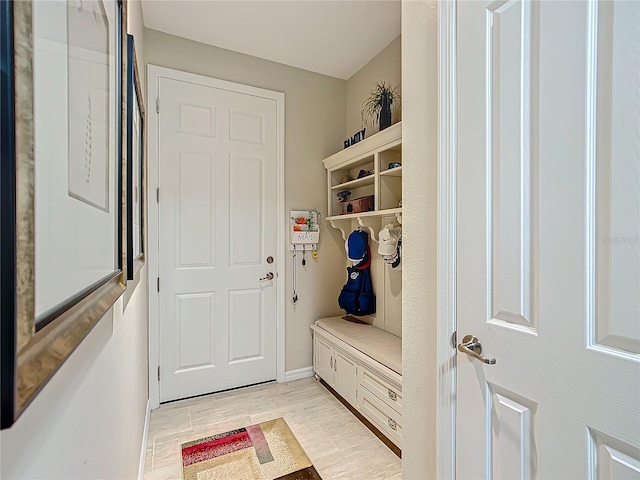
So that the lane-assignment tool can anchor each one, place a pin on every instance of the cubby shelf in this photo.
(368, 220)
(392, 172)
(385, 184)
(357, 154)
(358, 182)
(379, 213)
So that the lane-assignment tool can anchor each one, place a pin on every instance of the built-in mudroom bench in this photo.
(363, 364)
(360, 359)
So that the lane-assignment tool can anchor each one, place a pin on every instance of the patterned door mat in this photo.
(266, 451)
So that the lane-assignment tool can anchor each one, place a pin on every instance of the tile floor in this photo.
(339, 446)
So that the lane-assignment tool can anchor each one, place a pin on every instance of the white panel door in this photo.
(548, 239)
(217, 224)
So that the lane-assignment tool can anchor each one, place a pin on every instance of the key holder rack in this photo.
(304, 233)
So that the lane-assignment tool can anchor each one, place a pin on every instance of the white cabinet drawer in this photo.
(386, 419)
(387, 391)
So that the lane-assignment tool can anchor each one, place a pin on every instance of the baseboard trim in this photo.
(298, 374)
(145, 437)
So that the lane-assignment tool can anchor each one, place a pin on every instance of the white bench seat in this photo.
(381, 346)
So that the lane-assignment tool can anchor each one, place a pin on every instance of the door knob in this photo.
(268, 277)
(471, 346)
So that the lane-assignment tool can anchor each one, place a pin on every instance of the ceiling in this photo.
(335, 38)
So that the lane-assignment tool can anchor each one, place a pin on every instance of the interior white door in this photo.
(217, 227)
(548, 234)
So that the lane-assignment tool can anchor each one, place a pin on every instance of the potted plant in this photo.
(379, 105)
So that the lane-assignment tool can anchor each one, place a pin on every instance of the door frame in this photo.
(154, 73)
(447, 218)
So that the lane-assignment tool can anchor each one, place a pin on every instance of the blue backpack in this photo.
(356, 297)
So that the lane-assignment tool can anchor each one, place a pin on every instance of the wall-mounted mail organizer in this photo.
(304, 231)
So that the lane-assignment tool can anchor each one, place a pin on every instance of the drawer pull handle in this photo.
(392, 395)
(393, 424)
(331, 363)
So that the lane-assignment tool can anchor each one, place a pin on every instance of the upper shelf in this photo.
(389, 137)
(392, 172)
(375, 213)
(364, 219)
(358, 182)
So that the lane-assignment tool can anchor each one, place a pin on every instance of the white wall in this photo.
(314, 129)
(88, 420)
(419, 309)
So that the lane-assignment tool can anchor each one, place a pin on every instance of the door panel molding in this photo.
(510, 416)
(193, 313)
(611, 458)
(195, 250)
(244, 306)
(610, 265)
(154, 73)
(511, 158)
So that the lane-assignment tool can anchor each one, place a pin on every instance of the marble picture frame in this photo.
(34, 347)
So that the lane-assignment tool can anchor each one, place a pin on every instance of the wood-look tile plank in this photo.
(337, 443)
(165, 421)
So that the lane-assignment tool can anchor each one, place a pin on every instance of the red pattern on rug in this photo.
(246, 453)
(215, 448)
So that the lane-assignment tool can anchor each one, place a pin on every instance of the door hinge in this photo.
(157, 195)
(158, 372)
(158, 284)
(157, 104)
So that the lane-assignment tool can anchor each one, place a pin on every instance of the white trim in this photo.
(387, 138)
(590, 173)
(152, 234)
(447, 178)
(154, 73)
(298, 374)
(145, 438)
(281, 239)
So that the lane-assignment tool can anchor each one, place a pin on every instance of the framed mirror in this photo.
(62, 257)
(136, 166)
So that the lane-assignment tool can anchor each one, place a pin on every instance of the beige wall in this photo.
(314, 129)
(136, 28)
(88, 420)
(386, 66)
(419, 181)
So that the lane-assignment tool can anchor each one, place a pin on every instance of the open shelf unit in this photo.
(373, 154)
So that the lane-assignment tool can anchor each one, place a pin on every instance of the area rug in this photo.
(266, 451)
